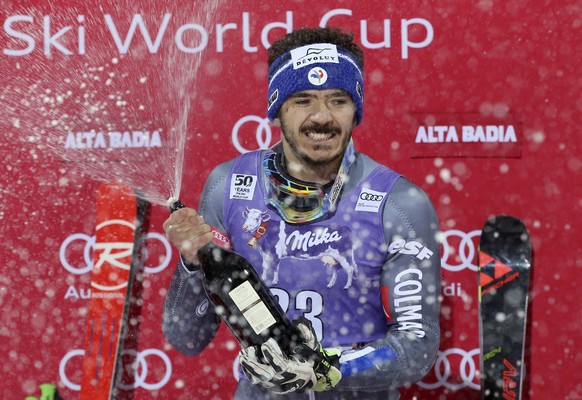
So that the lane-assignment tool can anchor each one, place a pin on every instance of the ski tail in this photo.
(119, 223)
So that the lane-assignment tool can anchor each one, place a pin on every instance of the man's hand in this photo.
(309, 367)
(325, 362)
(274, 370)
(187, 230)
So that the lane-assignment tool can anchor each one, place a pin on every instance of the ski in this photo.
(119, 222)
(504, 271)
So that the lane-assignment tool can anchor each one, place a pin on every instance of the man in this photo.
(348, 246)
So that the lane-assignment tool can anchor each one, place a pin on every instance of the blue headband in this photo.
(315, 67)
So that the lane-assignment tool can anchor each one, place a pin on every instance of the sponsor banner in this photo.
(465, 135)
(455, 369)
(150, 369)
(117, 92)
(252, 132)
(188, 33)
(112, 140)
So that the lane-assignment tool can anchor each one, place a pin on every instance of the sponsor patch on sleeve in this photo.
(242, 187)
(370, 200)
(221, 238)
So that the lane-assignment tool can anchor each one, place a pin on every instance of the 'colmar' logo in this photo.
(408, 301)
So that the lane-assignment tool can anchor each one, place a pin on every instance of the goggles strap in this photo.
(342, 175)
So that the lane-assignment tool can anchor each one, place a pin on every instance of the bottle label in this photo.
(253, 309)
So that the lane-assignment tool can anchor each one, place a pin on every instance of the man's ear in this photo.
(277, 122)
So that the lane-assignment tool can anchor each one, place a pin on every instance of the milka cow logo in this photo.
(332, 247)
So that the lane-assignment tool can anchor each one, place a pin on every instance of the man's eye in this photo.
(339, 102)
(302, 102)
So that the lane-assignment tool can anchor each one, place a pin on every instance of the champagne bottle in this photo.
(241, 298)
(243, 301)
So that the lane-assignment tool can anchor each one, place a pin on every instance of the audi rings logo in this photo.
(80, 246)
(370, 197)
(459, 250)
(143, 361)
(263, 133)
(454, 369)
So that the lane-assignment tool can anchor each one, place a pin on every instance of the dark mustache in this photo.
(319, 128)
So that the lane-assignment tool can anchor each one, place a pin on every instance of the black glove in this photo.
(269, 367)
(310, 366)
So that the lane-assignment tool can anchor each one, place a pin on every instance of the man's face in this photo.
(317, 126)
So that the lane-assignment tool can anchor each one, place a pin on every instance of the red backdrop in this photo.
(477, 102)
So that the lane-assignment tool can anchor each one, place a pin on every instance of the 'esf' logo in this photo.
(412, 248)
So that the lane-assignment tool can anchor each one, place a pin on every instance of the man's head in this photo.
(315, 97)
(315, 59)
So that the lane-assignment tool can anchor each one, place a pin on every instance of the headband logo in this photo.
(359, 90)
(317, 76)
(273, 99)
(314, 53)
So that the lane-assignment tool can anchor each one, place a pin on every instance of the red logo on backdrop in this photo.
(465, 135)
